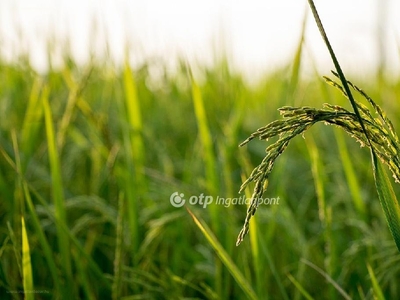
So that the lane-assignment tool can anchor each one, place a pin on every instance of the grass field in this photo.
(90, 156)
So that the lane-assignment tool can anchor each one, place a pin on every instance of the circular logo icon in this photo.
(177, 199)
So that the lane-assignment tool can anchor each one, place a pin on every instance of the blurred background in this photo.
(255, 35)
(107, 108)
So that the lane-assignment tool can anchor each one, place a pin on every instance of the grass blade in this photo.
(26, 263)
(118, 261)
(375, 285)
(319, 180)
(135, 153)
(299, 287)
(328, 278)
(82, 276)
(205, 135)
(57, 194)
(324, 208)
(75, 91)
(32, 122)
(274, 270)
(134, 116)
(223, 255)
(210, 166)
(388, 199)
(350, 174)
(42, 238)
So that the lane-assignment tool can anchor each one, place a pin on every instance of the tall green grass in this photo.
(134, 182)
(90, 155)
(58, 196)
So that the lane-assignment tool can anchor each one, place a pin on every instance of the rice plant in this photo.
(377, 133)
(297, 120)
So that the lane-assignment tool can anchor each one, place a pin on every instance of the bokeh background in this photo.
(255, 35)
(107, 108)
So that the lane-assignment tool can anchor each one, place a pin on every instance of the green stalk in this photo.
(319, 180)
(388, 199)
(338, 69)
(324, 209)
(58, 197)
(83, 278)
(118, 261)
(135, 153)
(32, 122)
(224, 256)
(299, 287)
(205, 137)
(384, 188)
(350, 174)
(210, 167)
(134, 117)
(75, 90)
(378, 294)
(26, 264)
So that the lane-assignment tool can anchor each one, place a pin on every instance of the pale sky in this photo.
(257, 35)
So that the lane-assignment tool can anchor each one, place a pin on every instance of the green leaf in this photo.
(388, 199)
(375, 285)
(26, 263)
(224, 256)
(299, 287)
(57, 193)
